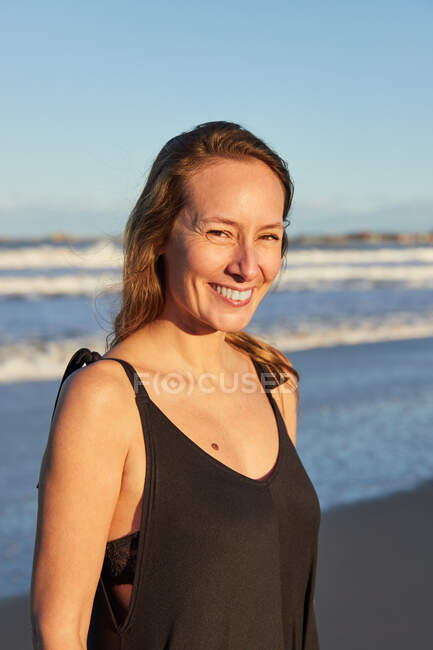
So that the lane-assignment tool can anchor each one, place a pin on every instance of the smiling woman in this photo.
(243, 257)
(174, 511)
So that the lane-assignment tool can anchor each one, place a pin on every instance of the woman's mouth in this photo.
(232, 296)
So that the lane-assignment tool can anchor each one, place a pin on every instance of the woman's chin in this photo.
(230, 322)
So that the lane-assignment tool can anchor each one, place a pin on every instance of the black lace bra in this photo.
(120, 560)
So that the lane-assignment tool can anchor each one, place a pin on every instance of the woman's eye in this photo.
(223, 232)
(217, 231)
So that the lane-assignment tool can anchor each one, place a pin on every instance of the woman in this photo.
(174, 511)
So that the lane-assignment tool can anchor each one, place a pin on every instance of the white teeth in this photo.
(232, 294)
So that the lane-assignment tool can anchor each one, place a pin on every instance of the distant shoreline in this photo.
(364, 236)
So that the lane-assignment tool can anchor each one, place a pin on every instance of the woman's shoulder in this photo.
(90, 423)
(95, 397)
(100, 380)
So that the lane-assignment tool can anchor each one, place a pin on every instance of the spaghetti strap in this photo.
(132, 374)
(80, 357)
(267, 378)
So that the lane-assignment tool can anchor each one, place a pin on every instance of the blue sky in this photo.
(91, 92)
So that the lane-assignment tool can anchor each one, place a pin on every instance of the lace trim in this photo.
(120, 560)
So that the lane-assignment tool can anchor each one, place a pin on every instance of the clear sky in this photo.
(92, 90)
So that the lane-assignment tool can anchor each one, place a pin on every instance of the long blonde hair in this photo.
(152, 218)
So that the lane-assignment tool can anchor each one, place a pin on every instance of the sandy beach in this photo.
(375, 574)
(374, 581)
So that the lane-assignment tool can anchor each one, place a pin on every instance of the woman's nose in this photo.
(244, 261)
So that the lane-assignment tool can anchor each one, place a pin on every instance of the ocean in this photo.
(355, 319)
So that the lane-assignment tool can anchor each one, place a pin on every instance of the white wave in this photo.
(69, 284)
(333, 256)
(102, 254)
(366, 277)
(307, 335)
(35, 360)
(39, 360)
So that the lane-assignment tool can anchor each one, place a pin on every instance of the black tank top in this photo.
(223, 561)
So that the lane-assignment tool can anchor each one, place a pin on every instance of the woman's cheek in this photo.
(272, 265)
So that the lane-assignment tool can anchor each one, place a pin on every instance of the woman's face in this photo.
(228, 237)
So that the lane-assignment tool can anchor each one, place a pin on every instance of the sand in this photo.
(374, 582)
(375, 577)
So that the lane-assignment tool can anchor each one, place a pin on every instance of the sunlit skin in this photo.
(202, 248)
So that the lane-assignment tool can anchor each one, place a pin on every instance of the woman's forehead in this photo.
(229, 169)
(235, 191)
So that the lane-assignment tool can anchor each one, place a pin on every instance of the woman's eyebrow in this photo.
(277, 224)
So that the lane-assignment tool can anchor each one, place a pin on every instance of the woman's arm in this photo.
(79, 485)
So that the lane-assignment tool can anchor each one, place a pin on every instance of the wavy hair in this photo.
(149, 225)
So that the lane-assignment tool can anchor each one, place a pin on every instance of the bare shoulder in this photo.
(91, 401)
(285, 394)
(97, 381)
(97, 389)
